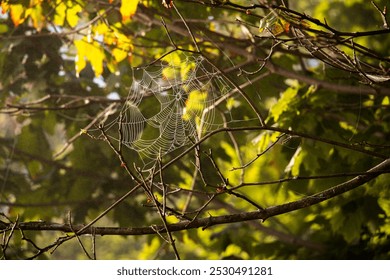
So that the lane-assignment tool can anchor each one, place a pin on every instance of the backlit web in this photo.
(171, 104)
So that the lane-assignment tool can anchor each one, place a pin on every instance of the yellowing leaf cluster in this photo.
(91, 52)
(177, 68)
(67, 11)
(91, 48)
(94, 47)
(19, 13)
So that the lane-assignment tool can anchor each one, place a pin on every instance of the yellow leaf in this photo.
(149, 249)
(346, 126)
(173, 59)
(67, 10)
(172, 219)
(3, 28)
(17, 14)
(72, 12)
(96, 57)
(89, 51)
(4, 7)
(37, 17)
(119, 54)
(123, 47)
(186, 68)
(170, 73)
(59, 17)
(173, 70)
(128, 9)
(119, 43)
(102, 29)
(232, 103)
(80, 60)
(80, 64)
(195, 104)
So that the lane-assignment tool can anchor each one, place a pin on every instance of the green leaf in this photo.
(3, 28)
(285, 103)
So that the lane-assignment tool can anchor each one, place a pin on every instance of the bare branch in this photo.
(383, 167)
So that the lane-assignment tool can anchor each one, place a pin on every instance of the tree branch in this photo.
(383, 167)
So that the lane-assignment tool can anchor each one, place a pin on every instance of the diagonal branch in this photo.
(383, 167)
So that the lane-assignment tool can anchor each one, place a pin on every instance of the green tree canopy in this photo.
(194, 129)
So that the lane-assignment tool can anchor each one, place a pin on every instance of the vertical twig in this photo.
(383, 14)
(77, 236)
(93, 236)
(164, 188)
(171, 240)
(6, 240)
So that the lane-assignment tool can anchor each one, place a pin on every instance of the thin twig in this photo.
(382, 14)
(161, 213)
(259, 154)
(77, 236)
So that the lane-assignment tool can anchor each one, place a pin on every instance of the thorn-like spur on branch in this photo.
(381, 168)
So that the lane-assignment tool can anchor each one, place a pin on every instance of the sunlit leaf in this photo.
(234, 251)
(80, 63)
(170, 73)
(4, 7)
(173, 59)
(59, 17)
(194, 104)
(149, 249)
(37, 17)
(72, 14)
(232, 103)
(96, 57)
(17, 14)
(384, 203)
(119, 54)
(128, 9)
(123, 46)
(284, 103)
(347, 126)
(69, 11)
(185, 68)
(91, 52)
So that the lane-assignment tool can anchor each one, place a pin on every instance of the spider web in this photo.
(171, 104)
